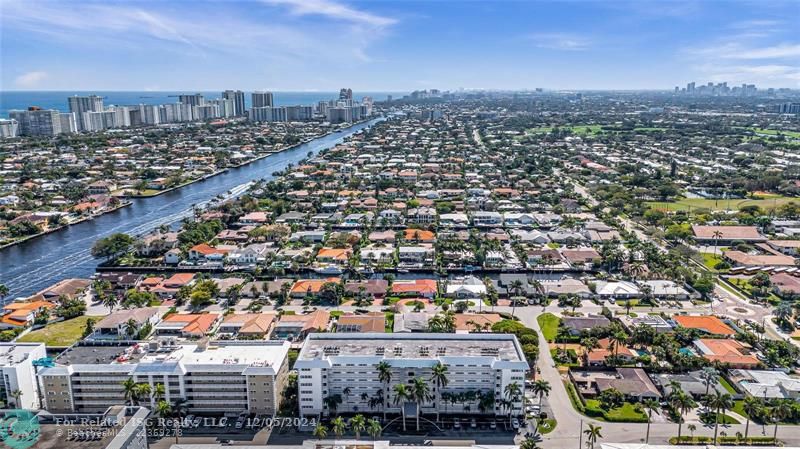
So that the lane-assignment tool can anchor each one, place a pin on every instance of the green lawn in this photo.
(60, 334)
(710, 260)
(775, 132)
(577, 129)
(547, 426)
(389, 321)
(549, 324)
(726, 385)
(686, 204)
(626, 413)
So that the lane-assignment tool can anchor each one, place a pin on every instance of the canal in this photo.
(38, 263)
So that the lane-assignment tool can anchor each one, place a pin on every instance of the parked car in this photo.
(515, 423)
(456, 424)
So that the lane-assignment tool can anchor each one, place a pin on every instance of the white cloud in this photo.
(179, 28)
(30, 79)
(560, 41)
(772, 52)
(333, 10)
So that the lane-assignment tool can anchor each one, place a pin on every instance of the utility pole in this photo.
(580, 436)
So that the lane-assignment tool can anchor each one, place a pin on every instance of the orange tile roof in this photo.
(371, 322)
(710, 324)
(414, 286)
(312, 285)
(334, 253)
(600, 353)
(206, 250)
(317, 319)
(727, 351)
(419, 234)
(196, 323)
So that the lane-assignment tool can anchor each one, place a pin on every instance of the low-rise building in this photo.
(18, 374)
(481, 363)
(223, 377)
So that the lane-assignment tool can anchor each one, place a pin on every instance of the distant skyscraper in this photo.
(346, 94)
(68, 122)
(262, 99)
(192, 100)
(80, 105)
(37, 122)
(238, 100)
(8, 128)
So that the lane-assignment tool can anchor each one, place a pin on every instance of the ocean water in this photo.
(58, 99)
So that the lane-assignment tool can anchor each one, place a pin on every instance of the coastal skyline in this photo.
(320, 45)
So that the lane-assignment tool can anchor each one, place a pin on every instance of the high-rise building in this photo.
(80, 104)
(150, 114)
(69, 124)
(238, 101)
(269, 114)
(192, 99)
(18, 373)
(225, 107)
(339, 114)
(9, 128)
(206, 111)
(299, 113)
(122, 116)
(345, 93)
(98, 121)
(37, 122)
(261, 99)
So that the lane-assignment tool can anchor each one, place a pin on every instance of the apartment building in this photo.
(213, 377)
(18, 374)
(345, 366)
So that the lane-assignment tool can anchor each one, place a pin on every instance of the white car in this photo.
(492, 425)
(515, 424)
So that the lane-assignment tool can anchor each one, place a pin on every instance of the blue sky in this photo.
(394, 44)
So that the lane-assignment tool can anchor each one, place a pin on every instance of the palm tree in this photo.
(163, 409)
(131, 327)
(512, 393)
(159, 392)
(709, 376)
(651, 406)
(384, 376)
(358, 423)
(717, 235)
(129, 387)
(338, 426)
(681, 404)
(592, 434)
(516, 285)
(320, 432)
(374, 428)
(179, 410)
(3, 291)
(110, 301)
(440, 380)
(751, 406)
(778, 413)
(143, 390)
(332, 402)
(719, 403)
(541, 388)
(528, 443)
(691, 428)
(17, 395)
(616, 339)
(420, 392)
(401, 395)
